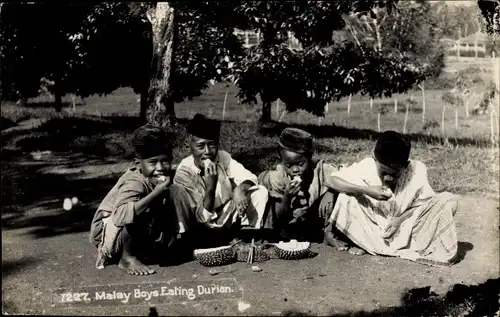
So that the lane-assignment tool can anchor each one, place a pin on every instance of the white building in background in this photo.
(476, 43)
(252, 37)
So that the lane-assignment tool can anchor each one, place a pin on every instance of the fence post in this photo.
(423, 102)
(406, 119)
(395, 105)
(371, 103)
(278, 108)
(442, 119)
(492, 129)
(224, 107)
(349, 106)
(378, 122)
(282, 115)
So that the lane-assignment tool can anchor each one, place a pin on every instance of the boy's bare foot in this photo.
(356, 251)
(133, 266)
(332, 241)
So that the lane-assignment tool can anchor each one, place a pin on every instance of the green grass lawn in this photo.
(466, 165)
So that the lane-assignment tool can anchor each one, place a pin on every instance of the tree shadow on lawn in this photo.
(110, 136)
(86, 134)
(47, 192)
(274, 129)
(461, 300)
(6, 123)
(11, 267)
(46, 104)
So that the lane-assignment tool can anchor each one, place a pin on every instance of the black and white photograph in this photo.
(248, 158)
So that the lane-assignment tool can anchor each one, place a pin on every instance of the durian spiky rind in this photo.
(293, 250)
(215, 256)
(294, 255)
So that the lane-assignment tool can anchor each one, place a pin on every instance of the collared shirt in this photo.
(231, 174)
(119, 202)
(276, 180)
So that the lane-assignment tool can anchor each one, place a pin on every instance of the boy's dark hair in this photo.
(392, 149)
(150, 140)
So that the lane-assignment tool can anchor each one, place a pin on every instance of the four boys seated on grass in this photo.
(382, 205)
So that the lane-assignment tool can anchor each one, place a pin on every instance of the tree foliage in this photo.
(103, 46)
(323, 70)
(490, 11)
(36, 45)
(455, 22)
(413, 29)
(310, 78)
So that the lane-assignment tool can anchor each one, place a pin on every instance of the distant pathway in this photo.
(24, 126)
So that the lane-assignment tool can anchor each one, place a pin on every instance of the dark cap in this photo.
(392, 149)
(204, 128)
(296, 140)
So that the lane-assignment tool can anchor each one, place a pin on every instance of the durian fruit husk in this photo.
(215, 256)
(284, 254)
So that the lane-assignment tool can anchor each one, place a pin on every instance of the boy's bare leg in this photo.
(128, 261)
(334, 241)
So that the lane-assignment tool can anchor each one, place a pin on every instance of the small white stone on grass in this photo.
(242, 306)
(256, 268)
(213, 272)
(67, 204)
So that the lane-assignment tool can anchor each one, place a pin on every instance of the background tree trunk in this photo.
(266, 112)
(160, 105)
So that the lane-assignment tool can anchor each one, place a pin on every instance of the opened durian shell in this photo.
(293, 250)
(215, 256)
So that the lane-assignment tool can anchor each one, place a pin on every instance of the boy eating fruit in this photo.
(300, 203)
(142, 208)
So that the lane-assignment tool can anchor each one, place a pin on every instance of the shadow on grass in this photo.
(110, 136)
(463, 249)
(11, 267)
(274, 129)
(461, 300)
(46, 104)
(47, 192)
(6, 123)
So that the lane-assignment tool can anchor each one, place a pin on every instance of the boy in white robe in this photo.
(387, 207)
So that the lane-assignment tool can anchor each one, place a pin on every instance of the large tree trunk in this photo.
(160, 105)
(266, 112)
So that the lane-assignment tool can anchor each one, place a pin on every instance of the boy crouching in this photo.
(143, 207)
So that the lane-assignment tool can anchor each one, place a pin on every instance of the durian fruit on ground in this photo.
(293, 250)
(259, 254)
(215, 256)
